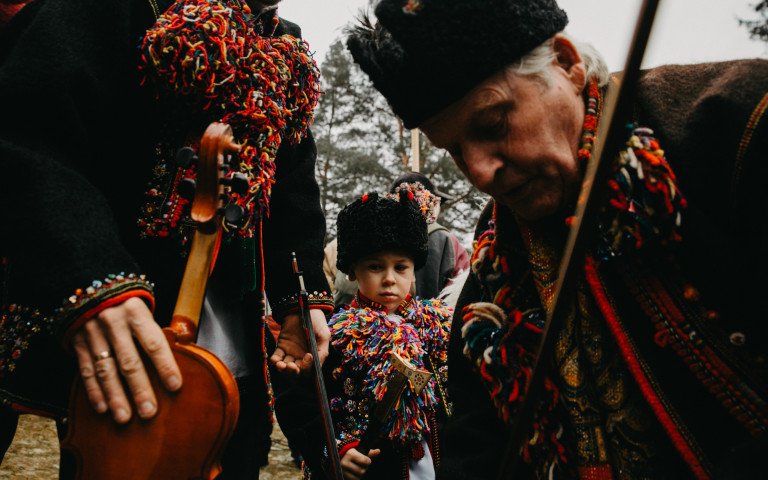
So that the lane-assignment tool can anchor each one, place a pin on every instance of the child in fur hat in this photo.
(382, 241)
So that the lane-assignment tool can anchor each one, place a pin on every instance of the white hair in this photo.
(536, 63)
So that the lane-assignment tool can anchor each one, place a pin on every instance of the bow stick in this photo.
(317, 376)
(616, 108)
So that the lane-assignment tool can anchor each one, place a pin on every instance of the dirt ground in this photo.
(34, 454)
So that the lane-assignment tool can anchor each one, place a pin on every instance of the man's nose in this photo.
(483, 165)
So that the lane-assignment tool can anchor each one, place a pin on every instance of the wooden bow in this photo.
(329, 436)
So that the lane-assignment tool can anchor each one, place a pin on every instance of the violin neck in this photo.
(189, 304)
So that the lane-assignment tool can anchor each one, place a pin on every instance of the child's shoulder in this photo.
(431, 308)
(350, 314)
(355, 322)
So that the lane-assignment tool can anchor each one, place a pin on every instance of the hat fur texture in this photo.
(425, 55)
(374, 224)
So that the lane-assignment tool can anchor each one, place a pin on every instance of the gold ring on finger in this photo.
(102, 355)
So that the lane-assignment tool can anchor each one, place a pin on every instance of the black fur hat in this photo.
(424, 55)
(372, 224)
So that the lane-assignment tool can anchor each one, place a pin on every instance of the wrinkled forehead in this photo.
(443, 127)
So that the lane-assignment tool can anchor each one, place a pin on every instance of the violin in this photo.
(187, 436)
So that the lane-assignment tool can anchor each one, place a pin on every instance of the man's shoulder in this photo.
(685, 104)
(731, 77)
(741, 65)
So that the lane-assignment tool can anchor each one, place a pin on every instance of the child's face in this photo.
(385, 278)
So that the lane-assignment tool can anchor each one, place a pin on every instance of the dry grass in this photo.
(34, 454)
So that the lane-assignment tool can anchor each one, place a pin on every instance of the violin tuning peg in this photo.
(187, 187)
(185, 156)
(234, 213)
(238, 182)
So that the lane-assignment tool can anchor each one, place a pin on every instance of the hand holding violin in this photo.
(108, 359)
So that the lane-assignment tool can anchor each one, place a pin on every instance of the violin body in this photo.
(187, 436)
(183, 441)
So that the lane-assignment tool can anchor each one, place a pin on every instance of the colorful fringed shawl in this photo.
(217, 58)
(366, 336)
(517, 274)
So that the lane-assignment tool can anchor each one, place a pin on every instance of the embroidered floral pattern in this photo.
(164, 212)
(19, 325)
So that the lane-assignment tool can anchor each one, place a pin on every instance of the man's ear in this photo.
(351, 275)
(569, 59)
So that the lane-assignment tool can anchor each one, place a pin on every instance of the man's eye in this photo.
(401, 268)
(491, 130)
(491, 124)
(375, 267)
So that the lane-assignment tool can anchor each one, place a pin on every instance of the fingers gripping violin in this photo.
(187, 436)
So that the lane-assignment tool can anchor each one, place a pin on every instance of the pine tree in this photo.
(362, 146)
(758, 29)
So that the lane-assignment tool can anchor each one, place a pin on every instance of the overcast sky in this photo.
(685, 31)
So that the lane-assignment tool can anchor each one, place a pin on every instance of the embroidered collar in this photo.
(361, 301)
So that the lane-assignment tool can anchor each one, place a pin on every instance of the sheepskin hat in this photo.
(424, 55)
(373, 224)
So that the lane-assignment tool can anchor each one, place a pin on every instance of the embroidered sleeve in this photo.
(85, 303)
(290, 304)
(20, 324)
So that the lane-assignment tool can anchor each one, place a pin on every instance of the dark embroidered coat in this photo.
(682, 326)
(78, 137)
